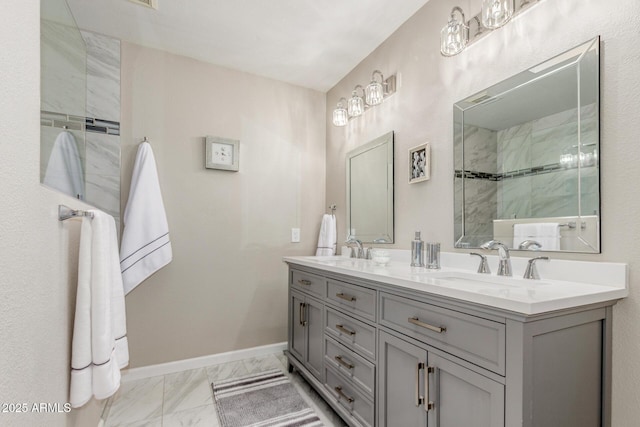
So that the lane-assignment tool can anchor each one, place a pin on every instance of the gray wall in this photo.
(226, 288)
(421, 110)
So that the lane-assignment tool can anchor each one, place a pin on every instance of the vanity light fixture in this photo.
(373, 94)
(496, 13)
(355, 106)
(455, 35)
(340, 115)
(458, 34)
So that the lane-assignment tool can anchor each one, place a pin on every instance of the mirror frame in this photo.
(570, 58)
(387, 235)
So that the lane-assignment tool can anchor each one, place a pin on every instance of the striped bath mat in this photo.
(267, 399)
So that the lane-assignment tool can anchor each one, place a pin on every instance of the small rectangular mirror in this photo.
(526, 158)
(370, 191)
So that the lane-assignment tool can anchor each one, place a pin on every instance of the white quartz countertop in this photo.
(589, 282)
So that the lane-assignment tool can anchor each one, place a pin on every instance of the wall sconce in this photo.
(355, 106)
(496, 13)
(340, 115)
(374, 93)
(458, 34)
(455, 35)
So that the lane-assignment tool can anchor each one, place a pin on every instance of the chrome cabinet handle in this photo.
(416, 321)
(341, 361)
(345, 330)
(346, 297)
(301, 313)
(419, 399)
(338, 389)
(428, 404)
(304, 282)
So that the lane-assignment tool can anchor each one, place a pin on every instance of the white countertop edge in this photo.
(607, 292)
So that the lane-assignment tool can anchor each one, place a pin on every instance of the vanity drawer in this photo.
(353, 298)
(477, 340)
(307, 282)
(360, 371)
(354, 334)
(349, 397)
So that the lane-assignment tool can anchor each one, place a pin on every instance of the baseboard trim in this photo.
(142, 372)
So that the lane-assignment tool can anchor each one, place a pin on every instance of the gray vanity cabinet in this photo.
(418, 387)
(306, 331)
(389, 356)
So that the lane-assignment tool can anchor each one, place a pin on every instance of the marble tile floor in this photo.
(186, 399)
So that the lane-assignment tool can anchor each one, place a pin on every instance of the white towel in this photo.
(545, 233)
(146, 247)
(327, 238)
(99, 347)
(64, 169)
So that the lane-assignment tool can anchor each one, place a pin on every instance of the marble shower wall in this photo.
(540, 143)
(87, 88)
(480, 156)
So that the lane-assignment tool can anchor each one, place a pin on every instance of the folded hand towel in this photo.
(146, 247)
(64, 169)
(545, 233)
(99, 347)
(327, 237)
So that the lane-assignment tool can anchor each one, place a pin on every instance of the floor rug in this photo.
(266, 399)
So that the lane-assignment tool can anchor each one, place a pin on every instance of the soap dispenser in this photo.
(416, 251)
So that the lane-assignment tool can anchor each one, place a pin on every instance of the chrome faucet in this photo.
(360, 252)
(504, 265)
(531, 272)
(530, 244)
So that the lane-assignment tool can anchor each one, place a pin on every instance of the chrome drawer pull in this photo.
(416, 321)
(304, 282)
(345, 330)
(338, 389)
(343, 363)
(346, 297)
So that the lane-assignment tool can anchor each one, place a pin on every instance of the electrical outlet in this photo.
(295, 235)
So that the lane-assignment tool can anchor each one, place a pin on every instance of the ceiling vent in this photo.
(148, 3)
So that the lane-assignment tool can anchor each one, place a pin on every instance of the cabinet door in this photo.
(462, 397)
(314, 310)
(401, 383)
(297, 340)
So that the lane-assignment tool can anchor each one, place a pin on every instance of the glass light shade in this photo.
(355, 106)
(340, 117)
(453, 37)
(496, 13)
(374, 93)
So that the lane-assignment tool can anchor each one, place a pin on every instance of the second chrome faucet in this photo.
(504, 263)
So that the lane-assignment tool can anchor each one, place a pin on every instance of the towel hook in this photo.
(145, 139)
(333, 209)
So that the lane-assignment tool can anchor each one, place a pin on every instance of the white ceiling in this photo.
(311, 43)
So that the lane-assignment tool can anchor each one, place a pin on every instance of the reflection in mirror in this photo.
(526, 157)
(80, 110)
(370, 191)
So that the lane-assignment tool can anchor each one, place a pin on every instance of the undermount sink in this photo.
(485, 279)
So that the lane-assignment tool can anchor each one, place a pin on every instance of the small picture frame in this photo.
(222, 153)
(419, 163)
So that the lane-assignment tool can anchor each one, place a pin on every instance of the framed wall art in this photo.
(419, 163)
(222, 153)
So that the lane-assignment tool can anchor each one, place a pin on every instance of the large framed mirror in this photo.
(370, 191)
(526, 158)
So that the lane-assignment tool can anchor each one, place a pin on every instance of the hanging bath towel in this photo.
(327, 237)
(145, 247)
(64, 169)
(99, 347)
